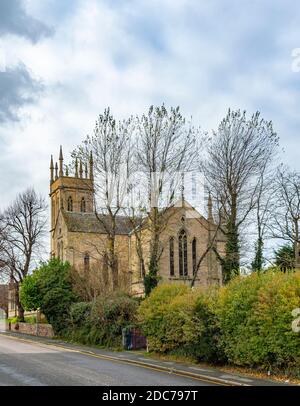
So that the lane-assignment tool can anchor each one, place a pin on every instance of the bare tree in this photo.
(166, 148)
(110, 151)
(22, 227)
(286, 214)
(236, 156)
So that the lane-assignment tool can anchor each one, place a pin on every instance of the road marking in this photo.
(159, 368)
(236, 377)
(156, 361)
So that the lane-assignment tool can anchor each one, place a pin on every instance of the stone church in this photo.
(79, 237)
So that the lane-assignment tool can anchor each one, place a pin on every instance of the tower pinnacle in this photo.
(51, 170)
(61, 160)
(91, 166)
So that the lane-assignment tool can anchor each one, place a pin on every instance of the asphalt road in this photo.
(37, 364)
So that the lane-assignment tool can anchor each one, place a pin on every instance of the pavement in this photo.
(35, 361)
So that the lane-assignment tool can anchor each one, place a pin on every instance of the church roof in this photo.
(90, 223)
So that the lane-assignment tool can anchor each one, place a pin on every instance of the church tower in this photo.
(68, 194)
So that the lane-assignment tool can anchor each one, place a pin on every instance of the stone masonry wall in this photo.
(41, 330)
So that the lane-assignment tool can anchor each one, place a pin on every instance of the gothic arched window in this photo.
(70, 204)
(194, 254)
(171, 254)
(82, 205)
(61, 251)
(86, 261)
(182, 254)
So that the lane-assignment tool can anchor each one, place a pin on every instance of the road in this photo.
(38, 364)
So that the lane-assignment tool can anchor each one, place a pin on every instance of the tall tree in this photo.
(22, 227)
(286, 214)
(263, 212)
(110, 152)
(166, 148)
(284, 258)
(236, 156)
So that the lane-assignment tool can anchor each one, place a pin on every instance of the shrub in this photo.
(101, 322)
(207, 343)
(55, 306)
(30, 294)
(255, 319)
(13, 320)
(109, 315)
(180, 320)
(80, 314)
(154, 315)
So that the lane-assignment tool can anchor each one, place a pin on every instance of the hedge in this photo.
(180, 320)
(101, 322)
(255, 316)
(247, 323)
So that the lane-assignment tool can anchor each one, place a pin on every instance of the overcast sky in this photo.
(63, 61)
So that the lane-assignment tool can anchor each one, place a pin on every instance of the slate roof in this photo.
(89, 223)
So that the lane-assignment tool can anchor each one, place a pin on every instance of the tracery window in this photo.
(82, 205)
(194, 255)
(70, 204)
(171, 254)
(182, 253)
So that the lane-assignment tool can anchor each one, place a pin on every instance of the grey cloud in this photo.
(17, 88)
(15, 20)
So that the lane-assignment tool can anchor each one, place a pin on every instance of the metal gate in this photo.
(133, 339)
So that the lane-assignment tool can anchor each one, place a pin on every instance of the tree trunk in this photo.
(18, 304)
(113, 262)
(231, 263)
(296, 242)
(257, 264)
(151, 279)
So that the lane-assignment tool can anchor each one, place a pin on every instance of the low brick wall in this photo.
(41, 330)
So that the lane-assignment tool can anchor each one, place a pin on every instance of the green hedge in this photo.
(255, 316)
(154, 316)
(246, 323)
(179, 320)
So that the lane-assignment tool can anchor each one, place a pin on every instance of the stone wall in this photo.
(41, 330)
